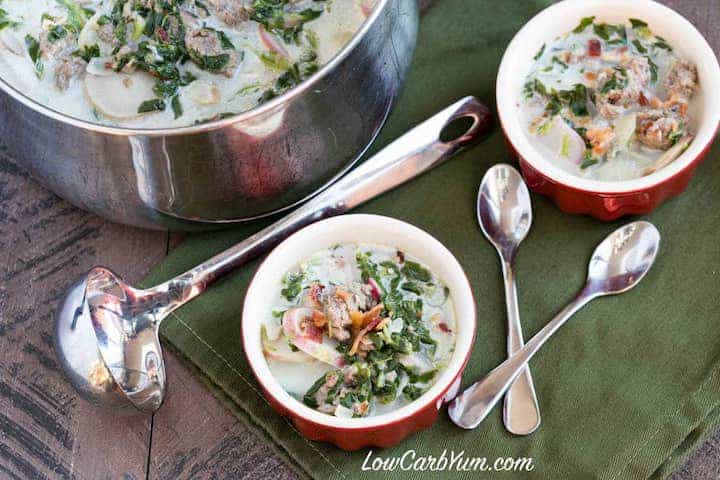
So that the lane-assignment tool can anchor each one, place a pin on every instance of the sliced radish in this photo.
(367, 6)
(203, 92)
(320, 351)
(270, 42)
(12, 42)
(560, 139)
(99, 66)
(119, 96)
(376, 290)
(670, 156)
(281, 352)
(298, 323)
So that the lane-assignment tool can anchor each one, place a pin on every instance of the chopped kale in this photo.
(292, 286)
(286, 23)
(33, 48)
(653, 70)
(415, 271)
(611, 33)
(584, 23)
(77, 15)
(412, 392)
(154, 105)
(662, 43)
(56, 32)
(639, 46)
(618, 81)
(88, 52)
(176, 106)
(5, 21)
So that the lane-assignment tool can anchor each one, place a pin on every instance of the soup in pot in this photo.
(359, 330)
(168, 63)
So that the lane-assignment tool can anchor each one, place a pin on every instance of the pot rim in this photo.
(276, 103)
(459, 360)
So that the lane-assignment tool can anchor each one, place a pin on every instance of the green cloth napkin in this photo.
(626, 389)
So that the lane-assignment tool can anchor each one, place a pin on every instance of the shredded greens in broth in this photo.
(166, 63)
(359, 330)
(610, 101)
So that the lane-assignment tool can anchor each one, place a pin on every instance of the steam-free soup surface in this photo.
(610, 101)
(359, 330)
(168, 63)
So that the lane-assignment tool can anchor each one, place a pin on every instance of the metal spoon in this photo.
(616, 266)
(106, 332)
(505, 215)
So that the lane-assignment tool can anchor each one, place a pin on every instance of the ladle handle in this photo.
(417, 151)
(471, 407)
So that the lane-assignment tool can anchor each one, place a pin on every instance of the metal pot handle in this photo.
(417, 151)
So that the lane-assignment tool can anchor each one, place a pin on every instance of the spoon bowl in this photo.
(623, 259)
(106, 340)
(504, 208)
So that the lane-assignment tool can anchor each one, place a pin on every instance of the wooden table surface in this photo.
(46, 431)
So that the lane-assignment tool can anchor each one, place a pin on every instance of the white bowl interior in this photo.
(563, 17)
(371, 229)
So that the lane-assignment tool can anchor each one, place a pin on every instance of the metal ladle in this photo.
(106, 332)
(617, 265)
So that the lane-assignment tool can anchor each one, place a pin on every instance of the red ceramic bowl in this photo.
(602, 199)
(378, 431)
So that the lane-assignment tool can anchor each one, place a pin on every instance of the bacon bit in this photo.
(594, 47)
(401, 256)
(600, 139)
(382, 324)
(642, 100)
(675, 101)
(315, 295)
(372, 314)
(375, 289)
(163, 34)
(444, 328)
(319, 319)
(358, 319)
(369, 327)
(343, 295)
(309, 330)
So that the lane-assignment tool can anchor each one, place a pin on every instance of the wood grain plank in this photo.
(46, 431)
(194, 436)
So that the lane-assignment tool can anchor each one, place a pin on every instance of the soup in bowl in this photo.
(358, 328)
(615, 113)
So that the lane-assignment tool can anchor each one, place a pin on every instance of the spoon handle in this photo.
(521, 413)
(417, 151)
(471, 407)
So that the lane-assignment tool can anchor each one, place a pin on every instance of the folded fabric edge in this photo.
(667, 443)
(691, 444)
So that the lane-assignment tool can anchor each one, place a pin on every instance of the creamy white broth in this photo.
(396, 370)
(263, 58)
(610, 102)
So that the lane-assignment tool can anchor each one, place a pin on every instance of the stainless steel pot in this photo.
(242, 167)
